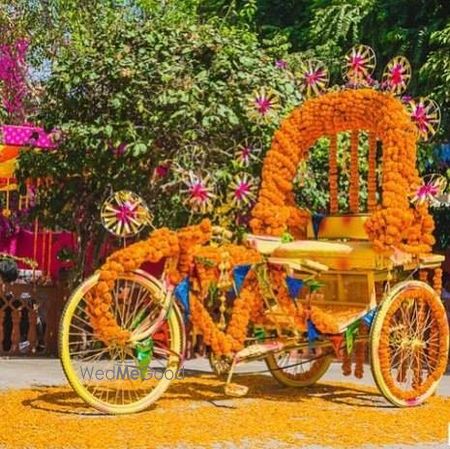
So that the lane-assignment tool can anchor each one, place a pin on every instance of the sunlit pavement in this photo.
(338, 412)
(23, 373)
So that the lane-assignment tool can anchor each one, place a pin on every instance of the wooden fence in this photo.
(29, 319)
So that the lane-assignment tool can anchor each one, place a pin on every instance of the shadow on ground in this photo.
(209, 389)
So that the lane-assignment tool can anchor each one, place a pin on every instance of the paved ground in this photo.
(191, 410)
(23, 373)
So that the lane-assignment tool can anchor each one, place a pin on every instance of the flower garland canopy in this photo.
(396, 224)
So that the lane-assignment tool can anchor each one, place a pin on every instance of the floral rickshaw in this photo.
(343, 283)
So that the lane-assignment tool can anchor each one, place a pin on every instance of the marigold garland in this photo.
(354, 173)
(395, 223)
(162, 243)
(372, 174)
(437, 281)
(360, 351)
(333, 173)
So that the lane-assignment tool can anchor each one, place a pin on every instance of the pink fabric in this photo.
(25, 248)
(23, 135)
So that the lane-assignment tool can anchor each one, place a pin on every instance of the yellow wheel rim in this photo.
(113, 379)
(409, 344)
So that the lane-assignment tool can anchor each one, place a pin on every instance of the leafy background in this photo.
(133, 84)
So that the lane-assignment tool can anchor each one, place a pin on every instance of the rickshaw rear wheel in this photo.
(136, 295)
(299, 367)
(409, 344)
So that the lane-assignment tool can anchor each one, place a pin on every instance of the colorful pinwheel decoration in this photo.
(396, 75)
(246, 153)
(425, 113)
(242, 190)
(312, 77)
(262, 105)
(432, 189)
(199, 193)
(360, 63)
(124, 214)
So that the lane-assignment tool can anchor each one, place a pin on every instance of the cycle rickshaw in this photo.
(347, 281)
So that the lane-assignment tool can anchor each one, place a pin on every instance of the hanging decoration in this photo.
(372, 175)
(368, 318)
(336, 341)
(350, 334)
(333, 173)
(360, 62)
(354, 173)
(294, 286)
(316, 220)
(181, 292)
(313, 333)
(396, 75)
(239, 274)
(426, 115)
(312, 77)
(124, 214)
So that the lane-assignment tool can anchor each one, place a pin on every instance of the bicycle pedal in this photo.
(235, 390)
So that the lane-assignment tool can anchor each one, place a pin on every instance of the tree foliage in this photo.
(130, 90)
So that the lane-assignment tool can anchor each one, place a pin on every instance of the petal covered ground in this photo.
(194, 413)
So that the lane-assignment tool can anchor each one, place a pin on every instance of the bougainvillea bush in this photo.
(169, 108)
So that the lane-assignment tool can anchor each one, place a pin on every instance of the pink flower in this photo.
(281, 64)
(162, 170)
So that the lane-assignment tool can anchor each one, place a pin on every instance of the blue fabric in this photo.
(239, 274)
(313, 333)
(182, 294)
(316, 220)
(294, 286)
(369, 317)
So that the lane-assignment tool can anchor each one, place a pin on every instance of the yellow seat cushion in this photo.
(347, 256)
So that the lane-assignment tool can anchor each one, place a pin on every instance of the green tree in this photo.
(130, 89)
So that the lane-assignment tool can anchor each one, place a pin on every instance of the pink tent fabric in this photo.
(25, 244)
(26, 135)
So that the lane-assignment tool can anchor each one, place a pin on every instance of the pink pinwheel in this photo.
(199, 193)
(245, 154)
(262, 105)
(126, 212)
(312, 77)
(432, 187)
(357, 63)
(242, 190)
(426, 115)
(396, 75)
(360, 63)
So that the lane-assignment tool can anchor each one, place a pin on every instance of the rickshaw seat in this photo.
(348, 256)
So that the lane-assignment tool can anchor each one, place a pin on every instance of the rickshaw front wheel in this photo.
(128, 378)
(409, 344)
